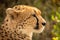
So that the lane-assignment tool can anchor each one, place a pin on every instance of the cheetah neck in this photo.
(11, 30)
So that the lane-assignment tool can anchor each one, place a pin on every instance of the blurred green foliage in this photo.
(50, 11)
(56, 27)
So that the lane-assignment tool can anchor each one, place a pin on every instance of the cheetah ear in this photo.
(9, 11)
(12, 12)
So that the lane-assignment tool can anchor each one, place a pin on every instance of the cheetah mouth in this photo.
(37, 24)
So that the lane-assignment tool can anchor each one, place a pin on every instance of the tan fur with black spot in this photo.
(20, 23)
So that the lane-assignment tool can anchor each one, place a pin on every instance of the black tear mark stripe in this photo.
(37, 24)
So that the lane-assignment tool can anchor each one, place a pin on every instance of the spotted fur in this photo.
(20, 23)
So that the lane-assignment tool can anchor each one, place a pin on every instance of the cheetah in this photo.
(21, 22)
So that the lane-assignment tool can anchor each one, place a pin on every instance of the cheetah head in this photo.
(28, 18)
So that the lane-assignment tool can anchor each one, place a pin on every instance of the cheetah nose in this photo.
(44, 24)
